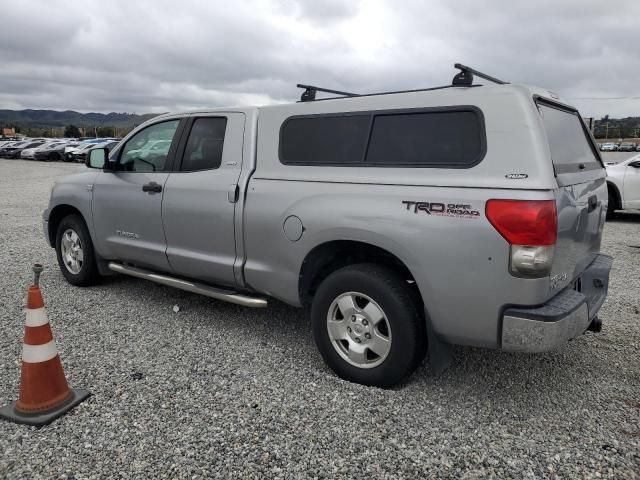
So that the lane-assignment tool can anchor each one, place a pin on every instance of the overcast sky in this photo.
(166, 55)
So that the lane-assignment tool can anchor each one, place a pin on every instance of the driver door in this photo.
(127, 201)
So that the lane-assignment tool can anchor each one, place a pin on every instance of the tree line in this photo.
(606, 127)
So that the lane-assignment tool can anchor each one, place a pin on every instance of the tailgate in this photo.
(581, 197)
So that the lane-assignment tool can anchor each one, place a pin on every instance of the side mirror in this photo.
(97, 158)
(635, 164)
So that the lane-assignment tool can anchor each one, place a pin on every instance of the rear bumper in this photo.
(562, 318)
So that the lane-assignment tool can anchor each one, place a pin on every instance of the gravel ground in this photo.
(221, 391)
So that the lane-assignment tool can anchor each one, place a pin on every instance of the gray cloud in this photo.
(165, 55)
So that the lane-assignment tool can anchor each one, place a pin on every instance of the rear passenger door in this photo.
(200, 198)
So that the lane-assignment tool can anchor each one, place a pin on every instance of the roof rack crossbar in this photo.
(462, 79)
(465, 77)
(310, 91)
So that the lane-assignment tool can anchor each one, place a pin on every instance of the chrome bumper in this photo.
(562, 318)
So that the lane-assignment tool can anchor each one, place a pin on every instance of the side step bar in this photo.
(199, 288)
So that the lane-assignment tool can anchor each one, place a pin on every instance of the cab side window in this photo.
(203, 150)
(148, 149)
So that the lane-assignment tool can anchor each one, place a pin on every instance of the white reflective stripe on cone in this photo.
(39, 353)
(36, 317)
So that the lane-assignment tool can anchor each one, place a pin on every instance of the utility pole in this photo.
(606, 135)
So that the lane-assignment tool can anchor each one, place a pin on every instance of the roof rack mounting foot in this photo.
(465, 77)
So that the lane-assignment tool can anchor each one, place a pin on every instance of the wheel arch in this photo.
(329, 256)
(612, 187)
(55, 217)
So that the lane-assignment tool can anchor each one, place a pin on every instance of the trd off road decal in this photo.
(457, 210)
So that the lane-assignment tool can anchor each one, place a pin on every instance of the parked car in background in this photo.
(81, 154)
(81, 145)
(623, 183)
(638, 147)
(14, 151)
(627, 147)
(7, 149)
(30, 153)
(51, 152)
(608, 147)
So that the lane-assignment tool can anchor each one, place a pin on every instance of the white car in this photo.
(68, 151)
(608, 147)
(623, 181)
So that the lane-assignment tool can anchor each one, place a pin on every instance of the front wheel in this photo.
(367, 325)
(75, 253)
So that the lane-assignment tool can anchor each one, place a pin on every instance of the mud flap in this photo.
(440, 352)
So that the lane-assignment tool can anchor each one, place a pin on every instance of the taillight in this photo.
(531, 228)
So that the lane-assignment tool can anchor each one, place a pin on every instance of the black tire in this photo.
(394, 296)
(611, 207)
(88, 272)
(54, 157)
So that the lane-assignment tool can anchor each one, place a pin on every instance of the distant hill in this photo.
(54, 119)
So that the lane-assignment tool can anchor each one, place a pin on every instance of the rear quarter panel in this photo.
(458, 261)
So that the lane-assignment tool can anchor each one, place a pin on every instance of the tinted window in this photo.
(148, 149)
(422, 139)
(568, 141)
(324, 139)
(205, 144)
(449, 139)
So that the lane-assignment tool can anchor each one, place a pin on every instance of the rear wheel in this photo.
(368, 326)
(75, 253)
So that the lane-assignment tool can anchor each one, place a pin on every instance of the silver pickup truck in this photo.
(405, 221)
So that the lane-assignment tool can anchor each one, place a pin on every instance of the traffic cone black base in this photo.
(38, 419)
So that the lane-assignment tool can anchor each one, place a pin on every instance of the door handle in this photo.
(593, 203)
(152, 187)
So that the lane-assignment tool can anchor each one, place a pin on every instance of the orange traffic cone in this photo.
(44, 393)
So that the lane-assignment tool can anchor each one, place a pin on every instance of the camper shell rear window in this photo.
(569, 141)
